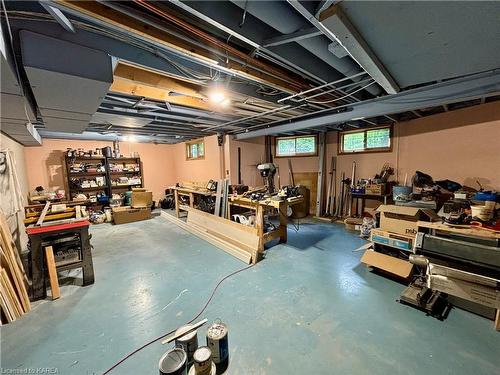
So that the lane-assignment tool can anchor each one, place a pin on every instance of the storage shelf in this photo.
(118, 173)
(77, 174)
(111, 160)
(124, 186)
(86, 158)
(90, 188)
(108, 174)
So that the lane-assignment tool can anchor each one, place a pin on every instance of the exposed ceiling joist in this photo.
(467, 88)
(58, 16)
(335, 20)
(294, 37)
(323, 5)
(154, 79)
(247, 67)
(127, 87)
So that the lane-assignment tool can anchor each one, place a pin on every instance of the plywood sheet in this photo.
(310, 180)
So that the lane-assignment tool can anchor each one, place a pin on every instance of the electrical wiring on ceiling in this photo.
(185, 71)
(342, 97)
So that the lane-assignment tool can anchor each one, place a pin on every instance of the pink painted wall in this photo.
(252, 154)
(461, 145)
(45, 163)
(209, 168)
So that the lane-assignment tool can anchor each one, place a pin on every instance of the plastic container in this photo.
(482, 212)
(128, 198)
(401, 193)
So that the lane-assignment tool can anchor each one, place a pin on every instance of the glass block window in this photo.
(296, 146)
(369, 140)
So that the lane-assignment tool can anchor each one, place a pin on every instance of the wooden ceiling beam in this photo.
(153, 79)
(127, 87)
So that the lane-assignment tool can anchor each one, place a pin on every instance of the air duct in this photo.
(15, 113)
(68, 80)
(280, 16)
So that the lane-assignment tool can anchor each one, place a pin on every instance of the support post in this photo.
(321, 172)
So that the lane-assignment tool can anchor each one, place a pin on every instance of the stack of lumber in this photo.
(236, 239)
(195, 185)
(14, 300)
(64, 211)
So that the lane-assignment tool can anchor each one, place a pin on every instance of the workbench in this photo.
(363, 197)
(190, 193)
(38, 239)
(260, 207)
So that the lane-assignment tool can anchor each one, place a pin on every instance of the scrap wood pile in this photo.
(14, 300)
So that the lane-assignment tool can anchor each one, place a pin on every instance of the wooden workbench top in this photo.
(202, 191)
(465, 230)
(265, 202)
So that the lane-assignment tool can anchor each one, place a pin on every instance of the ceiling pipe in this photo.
(94, 18)
(278, 15)
(282, 75)
(320, 87)
(233, 32)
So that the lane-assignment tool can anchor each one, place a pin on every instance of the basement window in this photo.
(195, 150)
(369, 140)
(296, 146)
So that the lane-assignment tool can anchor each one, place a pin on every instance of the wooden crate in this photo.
(375, 189)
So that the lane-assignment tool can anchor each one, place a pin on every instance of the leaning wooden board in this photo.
(244, 234)
(12, 263)
(51, 267)
(221, 244)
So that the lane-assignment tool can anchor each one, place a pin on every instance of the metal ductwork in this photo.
(280, 16)
(68, 80)
(16, 114)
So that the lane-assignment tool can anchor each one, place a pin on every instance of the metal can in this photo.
(188, 342)
(218, 343)
(173, 362)
(203, 361)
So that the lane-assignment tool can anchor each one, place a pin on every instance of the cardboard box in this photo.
(403, 220)
(353, 223)
(392, 265)
(476, 288)
(398, 241)
(141, 198)
(123, 215)
(375, 189)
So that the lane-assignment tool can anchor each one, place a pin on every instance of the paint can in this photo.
(218, 343)
(173, 362)
(213, 370)
(202, 362)
(188, 342)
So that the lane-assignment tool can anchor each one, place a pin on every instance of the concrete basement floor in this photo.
(309, 308)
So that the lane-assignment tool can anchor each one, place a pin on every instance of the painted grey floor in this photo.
(308, 308)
